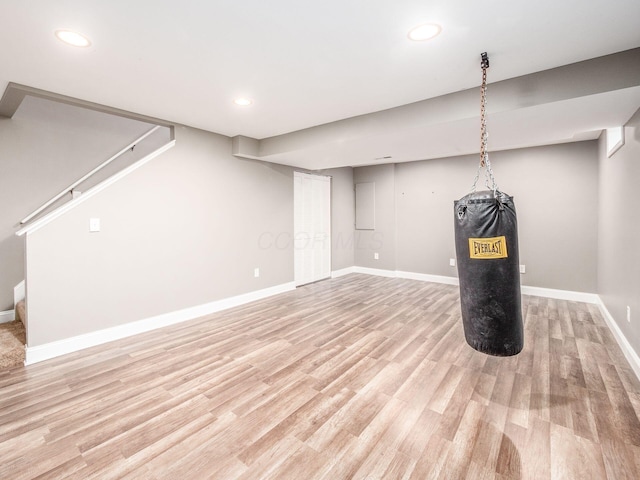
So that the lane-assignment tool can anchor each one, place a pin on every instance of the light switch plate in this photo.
(94, 224)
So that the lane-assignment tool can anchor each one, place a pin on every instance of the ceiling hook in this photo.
(484, 63)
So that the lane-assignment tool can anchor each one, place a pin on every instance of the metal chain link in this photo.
(483, 119)
(490, 180)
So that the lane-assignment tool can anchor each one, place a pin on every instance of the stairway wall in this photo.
(619, 231)
(184, 230)
(44, 148)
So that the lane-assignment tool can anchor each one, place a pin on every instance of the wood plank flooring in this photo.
(358, 377)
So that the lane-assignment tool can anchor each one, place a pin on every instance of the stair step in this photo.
(21, 311)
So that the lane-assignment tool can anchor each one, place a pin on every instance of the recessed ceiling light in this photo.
(72, 38)
(424, 32)
(243, 102)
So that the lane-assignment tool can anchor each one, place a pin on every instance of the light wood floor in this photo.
(359, 377)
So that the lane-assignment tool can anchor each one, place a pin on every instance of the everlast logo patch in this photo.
(484, 248)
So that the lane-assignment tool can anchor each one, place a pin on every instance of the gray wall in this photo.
(381, 240)
(619, 231)
(44, 148)
(556, 195)
(342, 217)
(189, 228)
(184, 230)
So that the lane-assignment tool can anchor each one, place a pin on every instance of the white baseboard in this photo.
(62, 347)
(342, 272)
(625, 346)
(375, 271)
(80, 342)
(7, 316)
(560, 294)
(425, 277)
(526, 290)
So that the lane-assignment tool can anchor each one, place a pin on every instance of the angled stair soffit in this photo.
(15, 94)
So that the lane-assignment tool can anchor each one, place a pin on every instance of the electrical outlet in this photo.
(376, 256)
(256, 272)
(523, 269)
(628, 314)
(452, 262)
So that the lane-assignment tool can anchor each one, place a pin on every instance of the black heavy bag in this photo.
(487, 252)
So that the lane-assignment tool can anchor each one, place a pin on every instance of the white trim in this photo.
(342, 272)
(73, 344)
(92, 172)
(560, 294)
(526, 290)
(19, 293)
(41, 222)
(425, 277)
(625, 346)
(7, 316)
(615, 140)
(375, 271)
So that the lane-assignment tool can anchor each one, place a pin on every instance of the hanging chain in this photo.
(490, 181)
(483, 119)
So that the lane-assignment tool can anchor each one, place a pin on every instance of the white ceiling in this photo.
(309, 63)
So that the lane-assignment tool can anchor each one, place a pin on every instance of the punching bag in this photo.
(486, 238)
